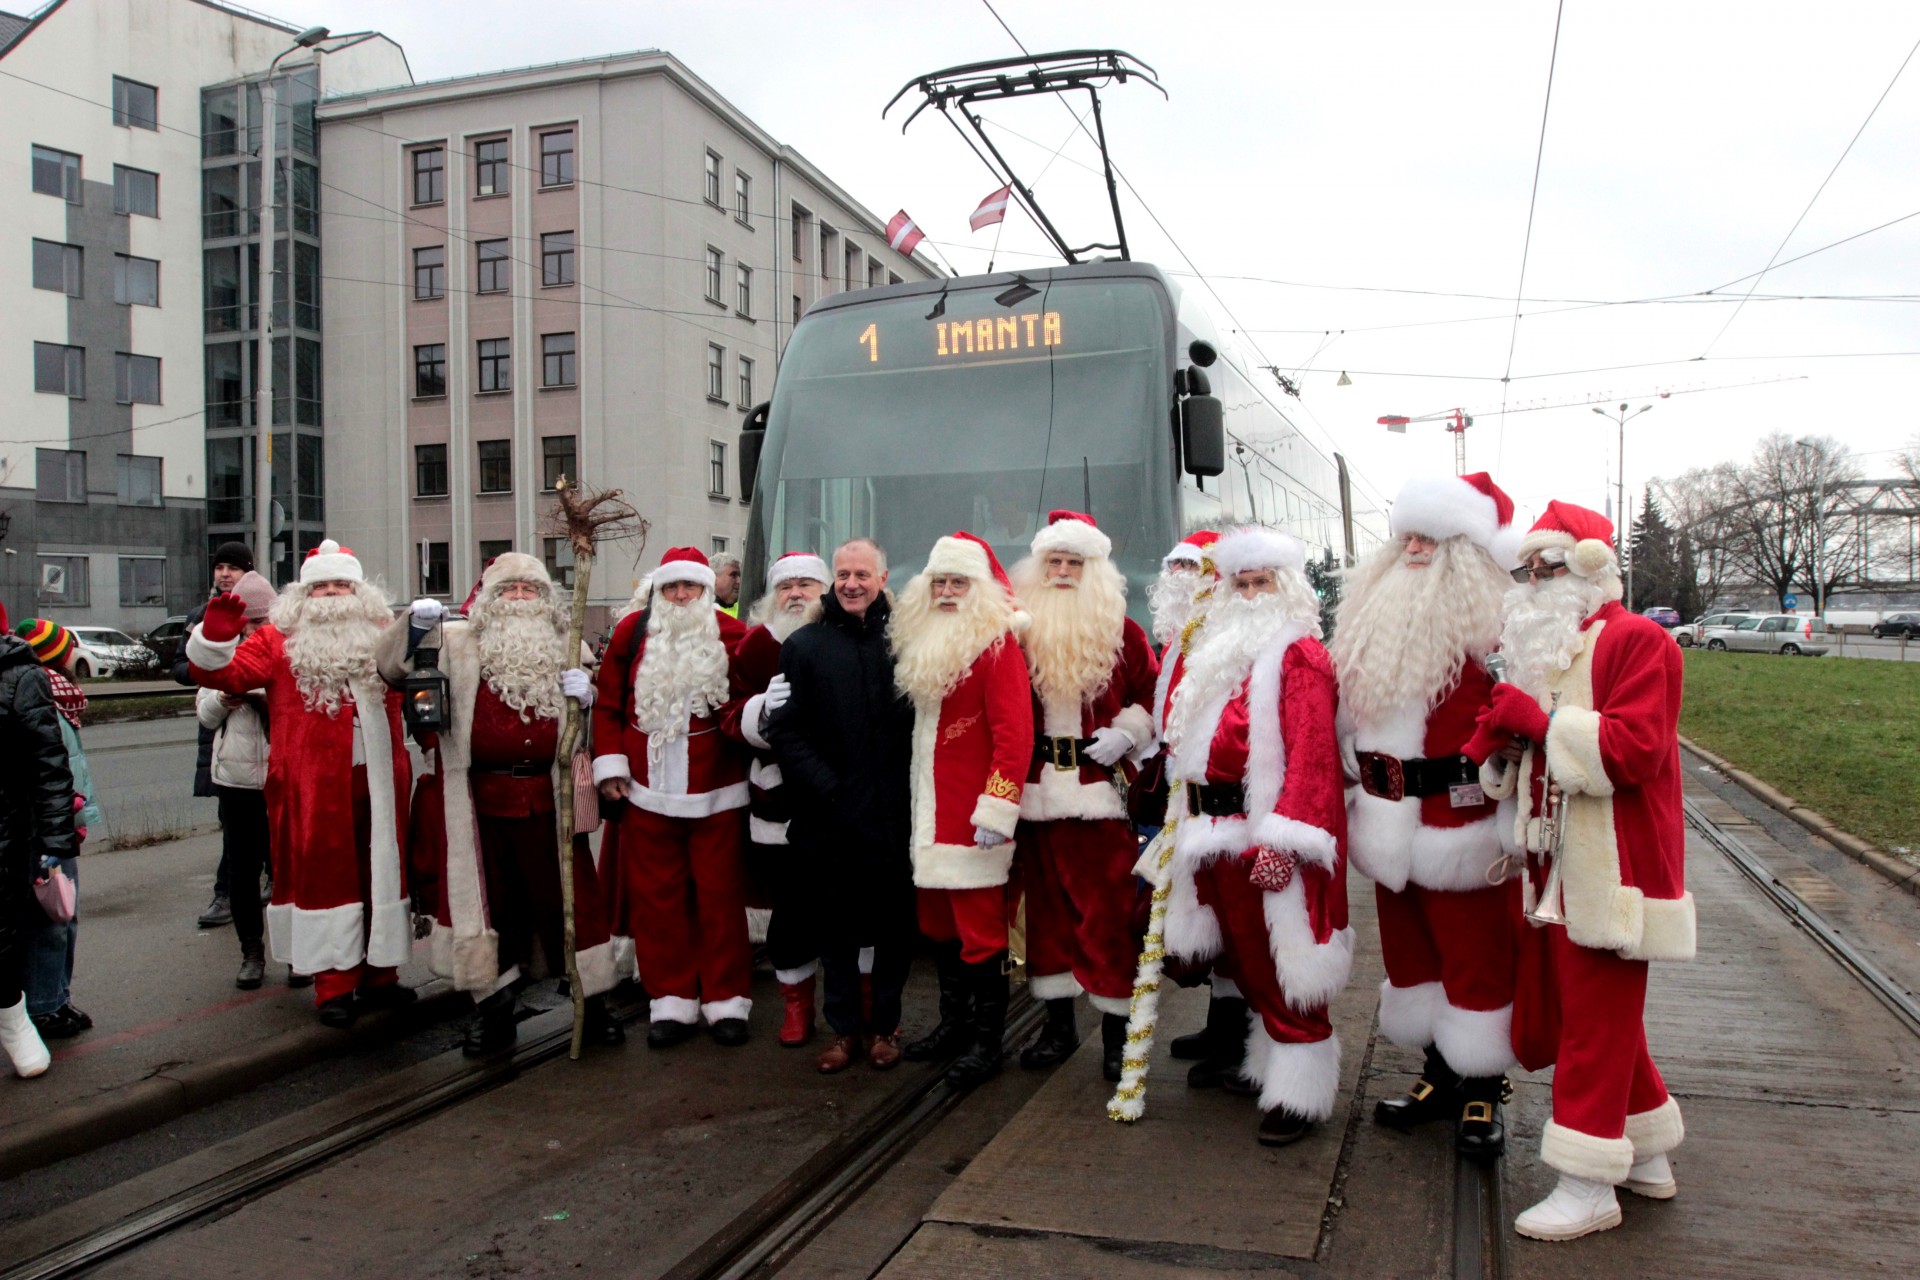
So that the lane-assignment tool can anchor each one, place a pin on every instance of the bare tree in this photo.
(1701, 505)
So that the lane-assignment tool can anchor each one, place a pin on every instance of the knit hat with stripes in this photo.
(51, 642)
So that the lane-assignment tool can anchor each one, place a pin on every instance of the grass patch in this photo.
(160, 706)
(1836, 734)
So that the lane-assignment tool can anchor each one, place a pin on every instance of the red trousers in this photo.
(976, 918)
(1241, 910)
(1450, 957)
(331, 984)
(1078, 878)
(1603, 1073)
(686, 904)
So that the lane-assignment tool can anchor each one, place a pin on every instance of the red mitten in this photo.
(1514, 710)
(1485, 740)
(225, 617)
(1272, 869)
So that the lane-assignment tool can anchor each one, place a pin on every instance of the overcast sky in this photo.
(1366, 166)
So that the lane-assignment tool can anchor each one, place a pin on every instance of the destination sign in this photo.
(987, 335)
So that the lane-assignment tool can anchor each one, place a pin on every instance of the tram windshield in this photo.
(894, 425)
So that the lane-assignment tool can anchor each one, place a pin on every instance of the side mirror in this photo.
(753, 435)
(1201, 352)
(1203, 435)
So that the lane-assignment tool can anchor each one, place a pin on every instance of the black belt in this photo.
(1220, 800)
(516, 770)
(1392, 778)
(1062, 753)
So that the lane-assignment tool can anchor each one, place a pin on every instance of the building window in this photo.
(800, 217)
(56, 266)
(60, 475)
(435, 577)
(63, 580)
(496, 466)
(492, 549)
(430, 272)
(718, 545)
(716, 362)
(139, 480)
(713, 178)
(743, 197)
(430, 471)
(430, 373)
(797, 308)
(495, 266)
(136, 281)
(136, 191)
(852, 275)
(496, 364)
(136, 379)
(713, 275)
(143, 581)
(875, 273)
(892, 278)
(746, 383)
(717, 468)
(557, 553)
(556, 258)
(135, 105)
(60, 370)
(556, 460)
(56, 173)
(556, 360)
(743, 289)
(429, 175)
(490, 166)
(556, 158)
(828, 239)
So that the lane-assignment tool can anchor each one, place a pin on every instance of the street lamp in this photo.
(263, 357)
(1620, 545)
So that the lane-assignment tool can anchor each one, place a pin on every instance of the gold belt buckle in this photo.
(1477, 1113)
(1066, 754)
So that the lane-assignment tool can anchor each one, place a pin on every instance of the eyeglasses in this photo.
(1527, 573)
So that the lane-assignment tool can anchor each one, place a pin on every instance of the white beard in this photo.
(329, 645)
(934, 650)
(1076, 632)
(1171, 600)
(1542, 636)
(683, 671)
(1237, 629)
(782, 621)
(522, 651)
(1405, 634)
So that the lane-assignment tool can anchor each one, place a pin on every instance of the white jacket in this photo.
(239, 742)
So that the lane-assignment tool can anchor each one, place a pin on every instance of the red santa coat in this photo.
(1613, 746)
(701, 772)
(1124, 704)
(321, 920)
(756, 661)
(969, 754)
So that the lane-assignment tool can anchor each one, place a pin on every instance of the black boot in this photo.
(601, 1026)
(988, 983)
(955, 1029)
(1227, 1034)
(1113, 1045)
(1479, 1132)
(1436, 1093)
(492, 1027)
(1057, 1040)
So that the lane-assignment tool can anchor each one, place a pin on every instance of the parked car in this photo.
(102, 651)
(1898, 624)
(165, 640)
(1786, 633)
(1660, 613)
(1696, 631)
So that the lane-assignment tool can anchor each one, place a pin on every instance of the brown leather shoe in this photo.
(883, 1052)
(839, 1055)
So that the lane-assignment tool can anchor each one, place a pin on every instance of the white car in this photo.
(102, 651)
(1773, 633)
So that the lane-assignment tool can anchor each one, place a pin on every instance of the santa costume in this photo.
(337, 778)
(1258, 874)
(1599, 689)
(1093, 672)
(1417, 621)
(485, 842)
(972, 744)
(662, 692)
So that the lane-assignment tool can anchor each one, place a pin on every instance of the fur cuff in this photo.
(1118, 1006)
(732, 1007)
(1407, 1013)
(474, 963)
(673, 1009)
(1656, 1132)
(750, 723)
(1573, 752)
(1475, 1042)
(596, 964)
(1499, 777)
(1192, 931)
(1054, 986)
(605, 767)
(1667, 930)
(1290, 835)
(794, 977)
(209, 655)
(1585, 1156)
(1303, 1078)
(997, 815)
(1136, 722)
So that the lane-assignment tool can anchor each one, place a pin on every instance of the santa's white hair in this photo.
(1221, 659)
(1075, 633)
(933, 650)
(783, 620)
(1170, 598)
(683, 669)
(1542, 633)
(329, 640)
(523, 647)
(1405, 634)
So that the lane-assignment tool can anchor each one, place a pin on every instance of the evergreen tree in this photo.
(1662, 563)
(1324, 578)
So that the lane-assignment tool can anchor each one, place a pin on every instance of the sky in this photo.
(1355, 182)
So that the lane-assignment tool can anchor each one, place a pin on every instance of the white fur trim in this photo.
(1060, 793)
(1585, 1156)
(598, 968)
(1303, 1078)
(1075, 537)
(471, 963)
(759, 921)
(1118, 1006)
(1667, 930)
(1656, 1132)
(684, 804)
(961, 866)
(624, 962)
(1254, 547)
(732, 1007)
(1199, 840)
(1054, 986)
(209, 655)
(673, 1009)
(684, 571)
(329, 563)
(959, 556)
(793, 977)
(1573, 752)
(750, 722)
(789, 567)
(1591, 557)
(1290, 835)
(1136, 722)
(515, 566)
(1443, 507)
(280, 931)
(390, 931)
(996, 815)
(865, 960)
(1475, 1042)
(611, 765)
(1192, 930)
(1183, 553)
(760, 831)
(1407, 1013)
(327, 938)
(1312, 973)
(764, 775)
(1391, 847)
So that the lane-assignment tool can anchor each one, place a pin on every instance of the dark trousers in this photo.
(840, 962)
(792, 887)
(244, 844)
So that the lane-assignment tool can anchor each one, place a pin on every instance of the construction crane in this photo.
(1457, 420)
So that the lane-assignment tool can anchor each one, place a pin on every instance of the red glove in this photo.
(225, 617)
(1272, 869)
(1512, 714)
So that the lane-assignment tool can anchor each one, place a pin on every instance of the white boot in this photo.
(1652, 1177)
(1577, 1207)
(22, 1041)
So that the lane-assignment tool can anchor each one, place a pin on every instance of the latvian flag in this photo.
(993, 209)
(902, 234)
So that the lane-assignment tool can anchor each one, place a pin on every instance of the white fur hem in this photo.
(610, 766)
(597, 968)
(732, 1007)
(1118, 1006)
(390, 940)
(673, 1009)
(1667, 930)
(1656, 1132)
(793, 977)
(209, 655)
(329, 938)
(280, 932)
(1393, 848)
(1311, 972)
(1290, 835)
(624, 961)
(473, 964)
(1573, 752)
(1054, 986)
(682, 804)
(1303, 1078)
(1475, 1042)
(1585, 1156)
(1407, 1013)
(760, 831)
(996, 815)
(1192, 930)
(961, 866)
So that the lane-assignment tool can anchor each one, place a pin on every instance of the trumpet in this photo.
(1549, 907)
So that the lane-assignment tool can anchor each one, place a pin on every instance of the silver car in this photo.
(1773, 633)
(1695, 632)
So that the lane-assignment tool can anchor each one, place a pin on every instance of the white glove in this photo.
(578, 685)
(427, 612)
(778, 691)
(1108, 745)
(986, 839)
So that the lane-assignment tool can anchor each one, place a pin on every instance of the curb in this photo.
(1904, 875)
(167, 1095)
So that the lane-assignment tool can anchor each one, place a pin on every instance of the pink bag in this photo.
(55, 893)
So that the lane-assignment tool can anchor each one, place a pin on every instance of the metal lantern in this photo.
(425, 694)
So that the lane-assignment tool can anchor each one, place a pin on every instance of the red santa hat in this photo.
(970, 557)
(514, 566)
(1191, 549)
(797, 564)
(1470, 506)
(1255, 547)
(683, 564)
(1075, 533)
(1586, 538)
(331, 562)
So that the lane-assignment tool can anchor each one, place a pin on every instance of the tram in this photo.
(982, 402)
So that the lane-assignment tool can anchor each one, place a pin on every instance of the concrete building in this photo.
(588, 269)
(108, 311)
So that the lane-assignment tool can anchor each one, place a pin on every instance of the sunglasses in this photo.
(1526, 573)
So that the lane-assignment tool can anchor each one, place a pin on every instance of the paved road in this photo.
(143, 772)
(1885, 650)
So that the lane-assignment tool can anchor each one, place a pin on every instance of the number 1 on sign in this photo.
(871, 336)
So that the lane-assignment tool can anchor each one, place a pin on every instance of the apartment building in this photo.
(586, 269)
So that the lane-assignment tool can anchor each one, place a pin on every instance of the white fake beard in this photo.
(1238, 628)
(1405, 633)
(522, 652)
(1171, 600)
(329, 645)
(934, 649)
(1542, 635)
(782, 621)
(683, 669)
(1076, 632)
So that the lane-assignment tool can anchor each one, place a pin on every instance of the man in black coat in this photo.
(231, 562)
(843, 738)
